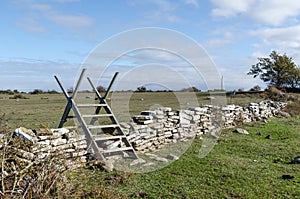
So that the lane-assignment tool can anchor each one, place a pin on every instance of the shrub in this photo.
(19, 96)
(293, 108)
(37, 91)
(22, 175)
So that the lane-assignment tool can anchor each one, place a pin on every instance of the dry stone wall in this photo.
(153, 129)
(146, 132)
(47, 143)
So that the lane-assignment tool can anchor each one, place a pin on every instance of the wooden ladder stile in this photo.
(97, 142)
(115, 124)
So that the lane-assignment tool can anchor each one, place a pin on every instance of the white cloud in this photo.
(164, 5)
(37, 12)
(225, 8)
(269, 12)
(192, 2)
(73, 22)
(275, 12)
(40, 7)
(29, 74)
(165, 10)
(165, 16)
(224, 37)
(283, 38)
(257, 54)
(156, 55)
(30, 24)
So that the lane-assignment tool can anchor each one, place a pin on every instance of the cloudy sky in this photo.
(42, 38)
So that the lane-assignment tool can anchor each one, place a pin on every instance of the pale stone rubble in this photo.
(44, 143)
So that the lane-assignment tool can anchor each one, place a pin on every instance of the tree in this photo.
(36, 92)
(141, 89)
(190, 89)
(255, 88)
(101, 89)
(70, 90)
(277, 70)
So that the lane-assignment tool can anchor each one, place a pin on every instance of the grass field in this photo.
(45, 110)
(239, 166)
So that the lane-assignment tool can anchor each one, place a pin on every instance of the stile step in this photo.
(90, 105)
(118, 149)
(103, 126)
(98, 115)
(101, 138)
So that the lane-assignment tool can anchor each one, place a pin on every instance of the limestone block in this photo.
(172, 157)
(150, 113)
(114, 145)
(188, 112)
(124, 125)
(58, 141)
(25, 134)
(158, 112)
(165, 109)
(148, 164)
(139, 148)
(159, 117)
(137, 161)
(156, 126)
(78, 154)
(43, 137)
(168, 133)
(241, 131)
(204, 119)
(135, 138)
(229, 108)
(137, 142)
(184, 121)
(175, 136)
(175, 117)
(196, 118)
(149, 136)
(132, 136)
(146, 122)
(59, 131)
(168, 125)
(170, 113)
(143, 135)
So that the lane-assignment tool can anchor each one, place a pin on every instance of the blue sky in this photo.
(42, 38)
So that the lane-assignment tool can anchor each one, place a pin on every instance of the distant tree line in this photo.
(9, 92)
(189, 89)
(34, 92)
(102, 89)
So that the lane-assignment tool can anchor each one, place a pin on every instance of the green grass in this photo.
(47, 109)
(38, 110)
(239, 166)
